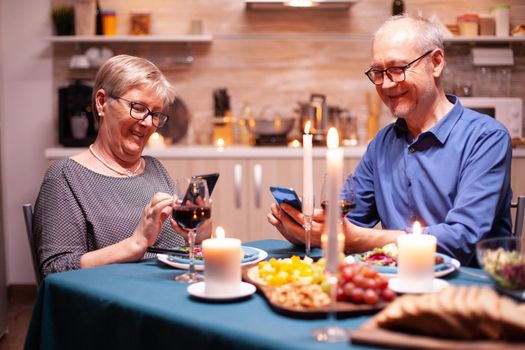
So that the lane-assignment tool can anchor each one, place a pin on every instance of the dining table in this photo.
(141, 306)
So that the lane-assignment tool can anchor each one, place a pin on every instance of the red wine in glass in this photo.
(346, 206)
(191, 217)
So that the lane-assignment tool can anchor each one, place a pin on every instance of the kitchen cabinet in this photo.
(241, 199)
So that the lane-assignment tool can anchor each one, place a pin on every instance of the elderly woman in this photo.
(109, 203)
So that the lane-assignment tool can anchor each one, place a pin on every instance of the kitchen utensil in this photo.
(177, 125)
(270, 127)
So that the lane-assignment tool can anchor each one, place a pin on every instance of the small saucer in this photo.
(396, 286)
(198, 290)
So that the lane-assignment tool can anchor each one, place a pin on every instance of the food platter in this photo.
(341, 308)
(254, 255)
(448, 265)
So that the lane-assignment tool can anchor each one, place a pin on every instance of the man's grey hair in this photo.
(427, 33)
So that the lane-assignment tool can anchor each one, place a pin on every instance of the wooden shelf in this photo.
(485, 39)
(130, 38)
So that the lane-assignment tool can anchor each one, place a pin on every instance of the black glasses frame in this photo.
(372, 73)
(158, 119)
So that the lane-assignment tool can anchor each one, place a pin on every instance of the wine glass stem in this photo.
(308, 233)
(191, 241)
(332, 281)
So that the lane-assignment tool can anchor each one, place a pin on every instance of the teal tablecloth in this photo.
(140, 306)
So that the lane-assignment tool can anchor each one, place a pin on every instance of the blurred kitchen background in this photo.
(229, 60)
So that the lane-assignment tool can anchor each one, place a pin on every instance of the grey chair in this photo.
(519, 206)
(28, 217)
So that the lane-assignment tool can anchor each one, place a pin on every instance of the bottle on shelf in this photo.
(243, 134)
(398, 7)
(98, 20)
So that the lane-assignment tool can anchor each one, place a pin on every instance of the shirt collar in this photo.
(442, 129)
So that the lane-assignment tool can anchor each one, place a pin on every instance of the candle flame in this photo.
(294, 144)
(417, 228)
(219, 232)
(307, 127)
(220, 142)
(332, 138)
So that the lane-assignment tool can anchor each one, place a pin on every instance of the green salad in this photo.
(507, 268)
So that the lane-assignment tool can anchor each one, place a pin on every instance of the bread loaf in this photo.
(468, 313)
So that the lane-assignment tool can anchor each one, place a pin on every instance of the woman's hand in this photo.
(153, 216)
(292, 229)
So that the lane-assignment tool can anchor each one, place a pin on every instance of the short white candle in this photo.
(334, 165)
(416, 260)
(308, 186)
(222, 265)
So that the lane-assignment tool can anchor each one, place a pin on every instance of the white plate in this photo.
(165, 259)
(453, 265)
(199, 290)
(396, 286)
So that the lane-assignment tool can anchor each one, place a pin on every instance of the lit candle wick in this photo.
(417, 228)
(307, 128)
(219, 232)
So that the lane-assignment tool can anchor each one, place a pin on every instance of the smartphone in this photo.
(211, 180)
(286, 195)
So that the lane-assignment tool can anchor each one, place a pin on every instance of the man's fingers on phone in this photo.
(294, 213)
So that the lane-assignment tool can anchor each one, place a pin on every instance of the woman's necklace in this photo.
(126, 172)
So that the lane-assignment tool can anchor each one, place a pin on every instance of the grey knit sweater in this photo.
(79, 210)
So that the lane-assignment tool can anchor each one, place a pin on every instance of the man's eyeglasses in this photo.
(395, 74)
(140, 112)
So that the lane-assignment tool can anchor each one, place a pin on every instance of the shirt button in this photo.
(411, 149)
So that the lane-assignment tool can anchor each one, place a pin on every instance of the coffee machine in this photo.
(76, 124)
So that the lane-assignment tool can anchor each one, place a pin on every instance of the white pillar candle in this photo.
(416, 259)
(308, 186)
(222, 265)
(334, 166)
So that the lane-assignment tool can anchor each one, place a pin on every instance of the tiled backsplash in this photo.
(279, 57)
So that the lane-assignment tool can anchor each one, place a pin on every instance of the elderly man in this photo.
(439, 163)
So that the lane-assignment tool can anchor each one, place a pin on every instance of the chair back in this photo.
(28, 217)
(518, 219)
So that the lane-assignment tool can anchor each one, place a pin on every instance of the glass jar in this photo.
(109, 22)
(468, 24)
(140, 23)
(501, 13)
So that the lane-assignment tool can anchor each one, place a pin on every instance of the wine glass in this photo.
(346, 196)
(190, 213)
(332, 333)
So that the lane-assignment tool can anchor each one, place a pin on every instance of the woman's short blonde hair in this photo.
(122, 73)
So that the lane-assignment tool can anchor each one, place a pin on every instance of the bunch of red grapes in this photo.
(360, 284)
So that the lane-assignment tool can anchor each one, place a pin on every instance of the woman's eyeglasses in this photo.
(140, 112)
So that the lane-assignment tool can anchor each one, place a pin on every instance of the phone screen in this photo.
(286, 195)
(211, 180)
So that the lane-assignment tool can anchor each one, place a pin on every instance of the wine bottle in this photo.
(99, 30)
(398, 7)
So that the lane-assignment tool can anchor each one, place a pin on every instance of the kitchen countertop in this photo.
(232, 152)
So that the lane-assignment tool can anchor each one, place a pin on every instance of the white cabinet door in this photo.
(263, 174)
(242, 199)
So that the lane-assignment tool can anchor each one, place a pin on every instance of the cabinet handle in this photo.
(237, 182)
(257, 180)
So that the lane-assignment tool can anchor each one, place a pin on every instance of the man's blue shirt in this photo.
(453, 178)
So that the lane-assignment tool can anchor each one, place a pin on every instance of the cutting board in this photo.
(371, 334)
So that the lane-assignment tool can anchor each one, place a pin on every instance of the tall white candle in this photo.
(222, 265)
(416, 259)
(334, 166)
(308, 186)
